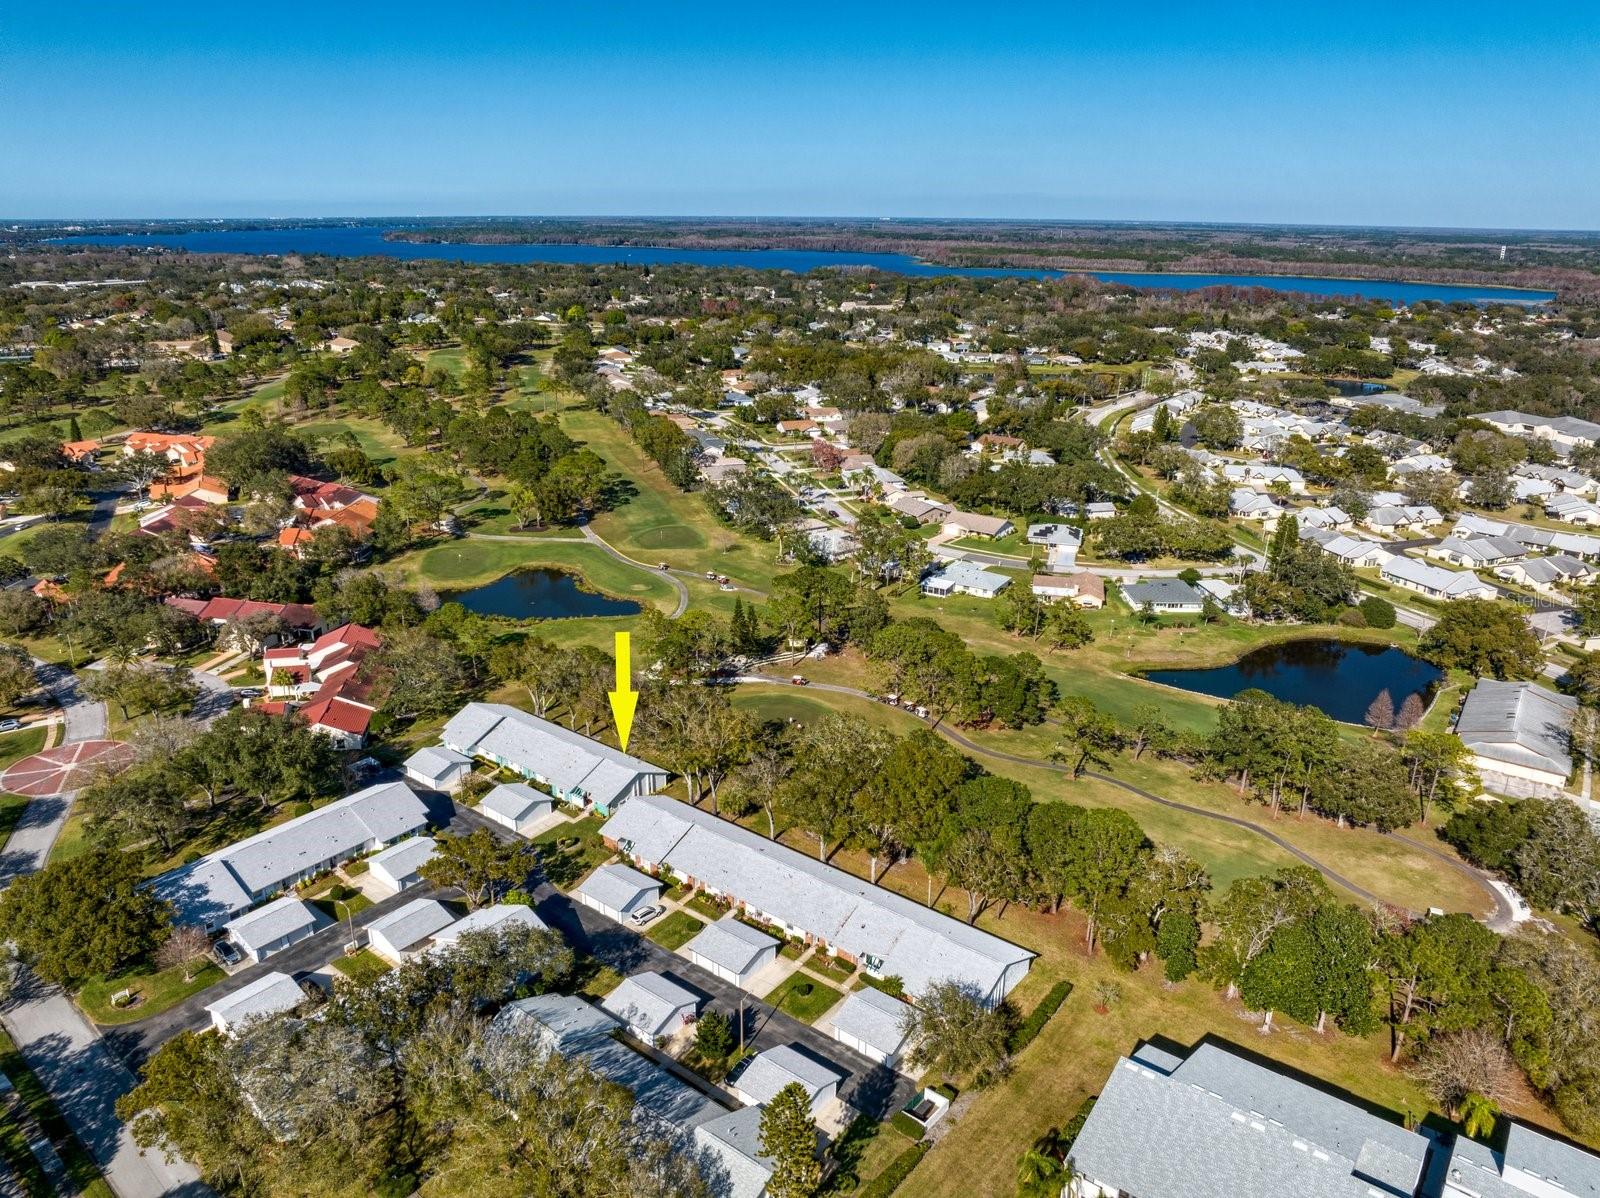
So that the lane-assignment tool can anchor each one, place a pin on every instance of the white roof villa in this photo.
(398, 934)
(962, 577)
(272, 927)
(224, 884)
(1433, 581)
(1517, 733)
(889, 935)
(574, 767)
(1228, 1126)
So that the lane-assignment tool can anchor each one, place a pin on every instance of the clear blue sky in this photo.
(1445, 114)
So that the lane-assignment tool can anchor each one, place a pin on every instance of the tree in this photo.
(837, 760)
(481, 866)
(1457, 1065)
(1108, 849)
(1251, 913)
(141, 804)
(1433, 974)
(84, 917)
(758, 783)
(271, 758)
(1087, 734)
(1149, 729)
(16, 674)
(1380, 712)
(414, 673)
(186, 948)
(951, 1028)
(1378, 613)
(1484, 637)
(789, 1139)
(1439, 769)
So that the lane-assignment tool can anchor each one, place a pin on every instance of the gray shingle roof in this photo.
(261, 927)
(566, 759)
(730, 944)
(1229, 1126)
(781, 1065)
(407, 857)
(1518, 723)
(619, 887)
(515, 801)
(269, 994)
(739, 1169)
(410, 925)
(919, 945)
(647, 1001)
(875, 1018)
(1527, 1151)
(489, 919)
(1161, 590)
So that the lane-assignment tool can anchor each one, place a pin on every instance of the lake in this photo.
(368, 240)
(1339, 677)
(540, 594)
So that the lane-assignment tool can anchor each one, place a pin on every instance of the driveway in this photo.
(216, 696)
(86, 1080)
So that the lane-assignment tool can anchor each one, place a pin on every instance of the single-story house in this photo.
(1099, 511)
(886, 934)
(734, 951)
(964, 578)
(873, 1023)
(1261, 476)
(1572, 509)
(404, 932)
(1519, 735)
(783, 1065)
(1476, 551)
(576, 768)
(733, 1141)
(517, 806)
(272, 928)
(1084, 589)
(1330, 517)
(1245, 504)
(652, 1005)
(615, 890)
(439, 768)
(270, 994)
(1546, 573)
(1055, 535)
(975, 524)
(488, 919)
(222, 885)
(1351, 550)
(1436, 583)
(399, 866)
(1170, 596)
(1394, 518)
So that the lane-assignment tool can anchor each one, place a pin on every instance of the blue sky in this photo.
(1438, 114)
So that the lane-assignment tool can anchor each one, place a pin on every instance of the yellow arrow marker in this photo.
(624, 699)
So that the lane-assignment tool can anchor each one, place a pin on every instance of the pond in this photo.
(541, 594)
(1339, 677)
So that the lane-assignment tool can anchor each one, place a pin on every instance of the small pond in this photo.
(541, 594)
(1340, 678)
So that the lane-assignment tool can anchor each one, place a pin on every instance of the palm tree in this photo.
(1044, 1170)
(1478, 1115)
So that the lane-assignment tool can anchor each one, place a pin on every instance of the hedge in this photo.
(1038, 1017)
(899, 1169)
(906, 1126)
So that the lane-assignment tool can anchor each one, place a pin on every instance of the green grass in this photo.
(803, 997)
(18, 1155)
(599, 981)
(13, 747)
(342, 909)
(362, 967)
(831, 968)
(707, 906)
(675, 930)
(73, 840)
(159, 990)
(36, 1101)
(373, 438)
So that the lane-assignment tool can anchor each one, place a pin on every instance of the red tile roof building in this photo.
(324, 675)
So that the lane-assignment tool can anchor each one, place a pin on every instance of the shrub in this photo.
(1023, 1034)
(300, 809)
(1379, 613)
(1351, 617)
(906, 1126)
(899, 1169)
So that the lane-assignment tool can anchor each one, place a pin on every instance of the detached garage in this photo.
(270, 994)
(396, 868)
(872, 1023)
(273, 928)
(734, 951)
(617, 890)
(517, 806)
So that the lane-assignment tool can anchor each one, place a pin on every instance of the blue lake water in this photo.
(368, 240)
(540, 594)
(1339, 678)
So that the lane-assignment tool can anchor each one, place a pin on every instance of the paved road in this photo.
(86, 1080)
(215, 698)
(43, 818)
(1500, 918)
(105, 507)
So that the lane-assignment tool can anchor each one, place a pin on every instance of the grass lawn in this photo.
(36, 1101)
(374, 439)
(803, 997)
(159, 991)
(464, 563)
(568, 864)
(598, 981)
(361, 967)
(13, 747)
(831, 968)
(675, 930)
(707, 906)
(342, 909)
(73, 840)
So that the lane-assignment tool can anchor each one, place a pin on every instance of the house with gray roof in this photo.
(1169, 596)
(1434, 581)
(730, 1154)
(961, 577)
(885, 933)
(616, 890)
(399, 867)
(873, 1023)
(437, 767)
(1215, 1124)
(576, 768)
(782, 1065)
(402, 933)
(1477, 551)
(734, 951)
(577, 1030)
(517, 806)
(1526, 1163)
(270, 994)
(1519, 736)
(652, 1005)
(497, 918)
(272, 928)
(225, 884)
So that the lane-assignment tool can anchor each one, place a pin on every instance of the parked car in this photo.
(227, 952)
(645, 914)
(799, 680)
(9, 725)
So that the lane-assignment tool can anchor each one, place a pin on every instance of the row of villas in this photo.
(1216, 1124)
(886, 934)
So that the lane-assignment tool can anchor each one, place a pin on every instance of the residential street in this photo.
(86, 1080)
